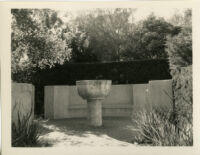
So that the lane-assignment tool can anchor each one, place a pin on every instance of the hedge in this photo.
(183, 96)
(119, 72)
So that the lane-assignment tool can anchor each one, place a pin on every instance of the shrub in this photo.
(179, 49)
(182, 87)
(158, 129)
(183, 100)
(25, 132)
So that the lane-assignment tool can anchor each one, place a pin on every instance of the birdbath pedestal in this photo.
(94, 91)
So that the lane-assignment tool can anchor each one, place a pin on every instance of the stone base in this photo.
(95, 112)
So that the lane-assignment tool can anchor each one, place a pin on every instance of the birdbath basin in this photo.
(94, 91)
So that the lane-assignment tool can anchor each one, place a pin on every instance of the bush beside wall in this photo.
(179, 49)
(182, 87)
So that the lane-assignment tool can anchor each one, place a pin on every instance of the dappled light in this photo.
(70, 132)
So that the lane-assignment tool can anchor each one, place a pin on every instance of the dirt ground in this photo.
(77, 132)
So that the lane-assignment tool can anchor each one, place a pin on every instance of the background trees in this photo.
(37, 40)
(107, 31)
(41, 38)
(149, 38)
(179, 47)
(113, 35)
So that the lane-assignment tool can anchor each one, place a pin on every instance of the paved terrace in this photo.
(76, 132)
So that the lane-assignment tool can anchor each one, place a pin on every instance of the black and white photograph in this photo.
(101, 77)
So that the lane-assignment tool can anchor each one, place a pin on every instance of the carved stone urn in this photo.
(94, 91)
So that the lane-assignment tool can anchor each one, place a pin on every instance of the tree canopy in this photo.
(107, 31)
(149, 38)
(37, 40)
(114, 35)
(179, 47)
(40, 37)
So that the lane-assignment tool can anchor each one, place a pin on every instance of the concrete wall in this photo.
(140, 98)
(123, 100)
(157, 93)
(64, 102)
(160, 94)
(22, 100)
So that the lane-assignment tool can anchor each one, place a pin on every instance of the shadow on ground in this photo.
(77, 132)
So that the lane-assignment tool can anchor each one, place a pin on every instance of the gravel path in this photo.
(76, 132)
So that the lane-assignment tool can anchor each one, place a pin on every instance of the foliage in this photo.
(149, 38)
(179, 47)
(25, 132)
(114, 36)
(156, 128)
(80, 50)
(41, 39)
(183, 100)
(107, 31)
(177, 127)
(37, 40)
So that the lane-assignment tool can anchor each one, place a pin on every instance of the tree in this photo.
(106, 30)
(179, 47)
(37, 40)
(81, 52)
(149, 39)
(113, 35)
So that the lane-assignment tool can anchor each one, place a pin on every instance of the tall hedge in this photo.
(183, 96)
(179, 49)
(140, 71)
(183, 101)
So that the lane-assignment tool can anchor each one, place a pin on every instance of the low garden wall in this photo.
(123, 100)
(22, 101)
(123, 72)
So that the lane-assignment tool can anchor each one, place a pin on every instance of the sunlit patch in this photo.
(51, 127)
(68, 133)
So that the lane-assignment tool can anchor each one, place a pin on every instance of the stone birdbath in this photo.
(94, 91)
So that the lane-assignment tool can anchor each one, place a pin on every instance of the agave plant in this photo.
(156, 128)
(25, 132)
